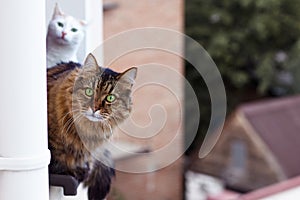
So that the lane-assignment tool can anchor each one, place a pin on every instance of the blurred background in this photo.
(255, 45)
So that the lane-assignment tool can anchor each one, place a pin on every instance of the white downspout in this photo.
(24, 155)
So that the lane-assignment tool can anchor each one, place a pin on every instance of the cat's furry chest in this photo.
(58, 54)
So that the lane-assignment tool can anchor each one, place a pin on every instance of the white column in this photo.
(24, 155)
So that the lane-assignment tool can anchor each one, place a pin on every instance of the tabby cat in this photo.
(84, 104)
(64, 36)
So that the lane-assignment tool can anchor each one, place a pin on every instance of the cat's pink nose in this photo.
(63, 35)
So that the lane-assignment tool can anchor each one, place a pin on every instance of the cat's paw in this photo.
(99, 180)
(82, 173)
(101, 185)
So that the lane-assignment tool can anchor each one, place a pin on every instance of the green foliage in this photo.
(254, 43)
(246, 38)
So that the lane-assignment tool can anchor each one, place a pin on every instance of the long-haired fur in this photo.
(84, 104)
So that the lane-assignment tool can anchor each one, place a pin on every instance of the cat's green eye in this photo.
(60, 24)
(89, 92)
(74, 29)
(110, 98)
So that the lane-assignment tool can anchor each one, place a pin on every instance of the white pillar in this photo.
(24, 155)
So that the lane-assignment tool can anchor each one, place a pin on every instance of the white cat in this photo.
(64, 36)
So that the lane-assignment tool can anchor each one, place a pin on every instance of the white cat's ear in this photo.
(129, 75)
(57, 11)
(90, 63)
(83, 23)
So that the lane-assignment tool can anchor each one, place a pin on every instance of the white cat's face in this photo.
(66, 30)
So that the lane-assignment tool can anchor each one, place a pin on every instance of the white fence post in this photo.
(24, 155)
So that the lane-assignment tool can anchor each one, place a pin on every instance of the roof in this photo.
(289, 189)
(277, 122)
(225, 195)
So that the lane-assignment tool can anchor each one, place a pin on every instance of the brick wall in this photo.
(167, 182)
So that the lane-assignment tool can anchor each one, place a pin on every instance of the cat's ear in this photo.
(57, 11)
(129, 75)
(90, 60)
(83, 23)
(90, 63)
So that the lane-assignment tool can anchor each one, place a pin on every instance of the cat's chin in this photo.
(94, 119)
(62, 41)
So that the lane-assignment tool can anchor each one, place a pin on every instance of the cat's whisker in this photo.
(72, 122)
(69, 123)
(68, 113)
